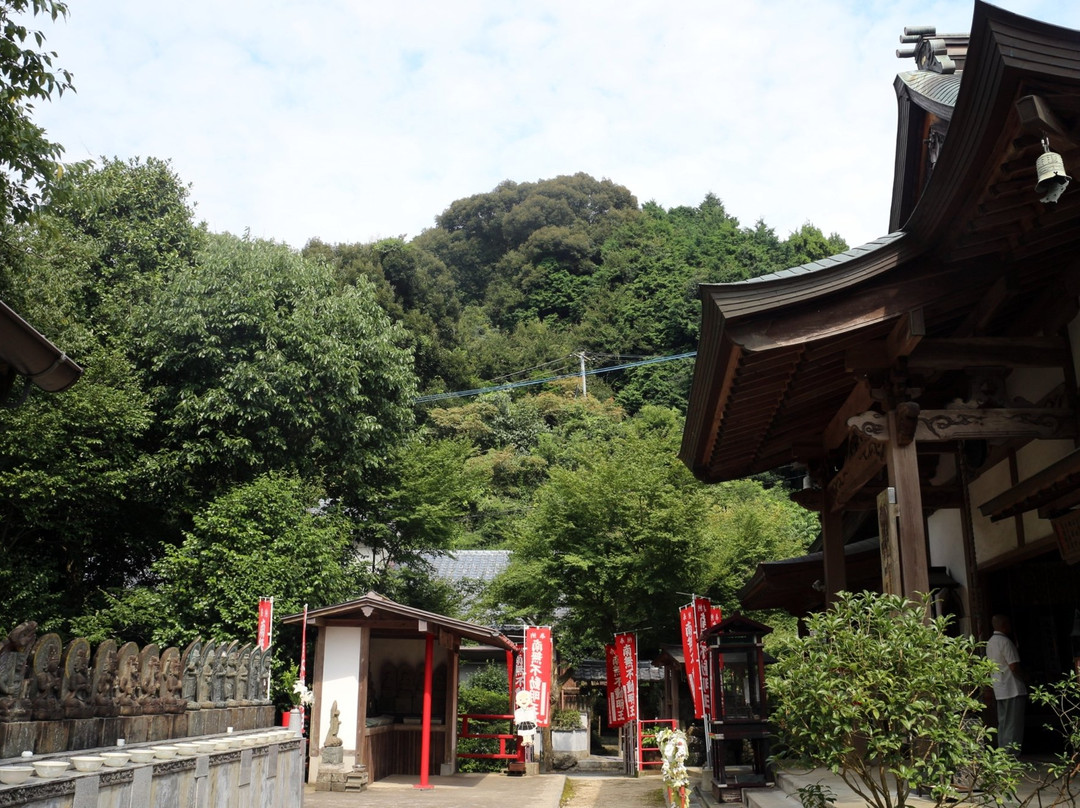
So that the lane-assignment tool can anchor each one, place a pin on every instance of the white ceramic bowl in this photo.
(187, 749)
(87, 763)
(116, 758)
(143, 755)
(206, 747)
(50, 768)
(164, 752)
(13, 775)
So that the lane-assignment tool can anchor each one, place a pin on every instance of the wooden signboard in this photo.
(889, 532)
(1067, 528)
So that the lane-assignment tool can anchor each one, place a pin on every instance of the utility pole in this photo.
(584, 392)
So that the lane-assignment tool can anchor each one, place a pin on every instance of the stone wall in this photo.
(71, 734)
(56, 698)
(268, 774)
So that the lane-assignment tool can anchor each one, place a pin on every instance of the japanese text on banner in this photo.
(266, 616)
(616, 702)
(626, 650)
(538, 671)
(703, 612)
(688, 625)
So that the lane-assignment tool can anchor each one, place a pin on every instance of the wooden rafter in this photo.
(954, 354)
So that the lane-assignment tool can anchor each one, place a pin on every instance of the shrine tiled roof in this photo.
(479, 565)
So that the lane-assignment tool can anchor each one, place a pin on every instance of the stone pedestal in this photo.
(357, 779)
(332, 755)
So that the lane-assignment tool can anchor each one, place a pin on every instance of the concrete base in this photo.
(520, 769)
(331, 778)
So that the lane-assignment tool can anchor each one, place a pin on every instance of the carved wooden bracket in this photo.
(942, 425)
(861, 466)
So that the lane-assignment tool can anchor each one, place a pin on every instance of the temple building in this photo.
(925, 383)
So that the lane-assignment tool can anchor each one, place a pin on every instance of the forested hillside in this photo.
(530, 273)
(249, 421)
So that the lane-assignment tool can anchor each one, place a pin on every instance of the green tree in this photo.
(272, 536)
(423, 509)
(610, 543)
(73, 515)
(748, 524)
(28, 159)
(881, 694)
(133, 229)
(258, 360)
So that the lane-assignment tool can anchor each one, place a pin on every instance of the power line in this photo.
(561, 359)
(530, 382)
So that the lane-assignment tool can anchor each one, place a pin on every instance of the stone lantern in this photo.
(739, 732)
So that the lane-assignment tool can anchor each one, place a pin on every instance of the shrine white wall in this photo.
(340, 683)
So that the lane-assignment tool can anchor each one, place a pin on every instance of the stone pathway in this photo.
(614, 790)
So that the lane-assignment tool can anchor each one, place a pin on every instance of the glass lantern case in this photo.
(739, 732)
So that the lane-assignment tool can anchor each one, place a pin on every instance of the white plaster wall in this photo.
(1031, 384)
(947, 543)
(946, 540)
(341, 671)
(991, 538)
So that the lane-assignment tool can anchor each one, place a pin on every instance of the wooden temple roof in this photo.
(978, 272)
(25, 352)
(388, 618)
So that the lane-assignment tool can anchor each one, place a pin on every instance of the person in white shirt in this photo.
(1009, 690)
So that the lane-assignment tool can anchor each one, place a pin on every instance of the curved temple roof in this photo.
(977, 253)
(27, 353)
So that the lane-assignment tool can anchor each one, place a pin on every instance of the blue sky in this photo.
(351, 121)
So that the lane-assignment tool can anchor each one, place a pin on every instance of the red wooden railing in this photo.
(650, 735)
(501, 737)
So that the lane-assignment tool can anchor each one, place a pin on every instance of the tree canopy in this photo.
(249, 410)
(28, 159)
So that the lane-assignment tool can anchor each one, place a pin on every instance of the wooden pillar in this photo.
(450, 719)
(315, 727)
(510, 663)
(363, 751)
(674, 673)
(425, 723)
(832, 547)
(903, 468)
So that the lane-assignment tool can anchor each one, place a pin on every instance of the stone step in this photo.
(769, 798)
(599, 764)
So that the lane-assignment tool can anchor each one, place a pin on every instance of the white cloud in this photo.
(350, 120)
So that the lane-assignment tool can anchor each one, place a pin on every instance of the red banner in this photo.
(616, 702)
(703, 615)
(266, 617)
(626, 652)
(519, 670)
(538, 671)
(688, 624)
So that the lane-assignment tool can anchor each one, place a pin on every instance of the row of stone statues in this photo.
(40, 680)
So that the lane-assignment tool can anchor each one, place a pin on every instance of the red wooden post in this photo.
(510, 677)
(425, 724)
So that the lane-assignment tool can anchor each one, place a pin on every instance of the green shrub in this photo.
(487, 693)
(882, 695)
(566, 719)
